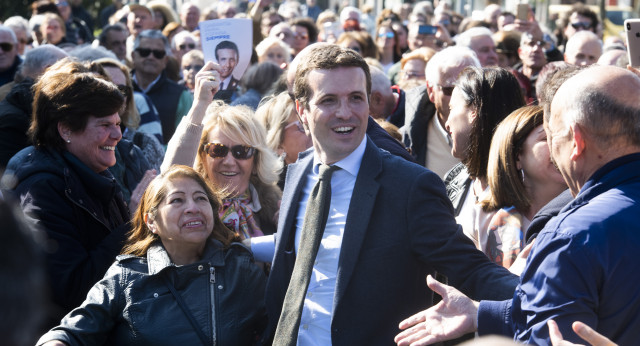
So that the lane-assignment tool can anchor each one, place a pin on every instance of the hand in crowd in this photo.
(136, 194)
(530, 25)
(443, 35)
(454, 316)
(207, 83)
(584, 331)
(518, 265)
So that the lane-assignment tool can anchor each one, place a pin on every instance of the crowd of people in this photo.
(412, 176)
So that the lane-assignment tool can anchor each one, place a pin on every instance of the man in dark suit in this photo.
(227, 56)
(389, 222)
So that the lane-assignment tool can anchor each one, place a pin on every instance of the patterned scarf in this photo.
(237, 215)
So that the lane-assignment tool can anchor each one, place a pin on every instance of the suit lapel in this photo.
(360, 208)
(294, 182)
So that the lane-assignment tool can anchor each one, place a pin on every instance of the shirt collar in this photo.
(440, 129)
(135, 79)
(351, 163)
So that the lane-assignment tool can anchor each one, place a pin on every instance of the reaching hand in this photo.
(454, 316)
(584, 331)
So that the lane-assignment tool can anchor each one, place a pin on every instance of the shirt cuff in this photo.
(494, 317)
(263, 248)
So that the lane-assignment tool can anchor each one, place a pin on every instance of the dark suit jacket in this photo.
(400, 227)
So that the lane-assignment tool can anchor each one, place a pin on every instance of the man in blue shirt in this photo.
(583, 266)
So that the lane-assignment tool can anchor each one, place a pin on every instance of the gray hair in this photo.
(179, 35)
(39, 58)
(154, 34)
(464, 39)
(88, 53)
(447, 58)
(268, 42)
(578, 38)
(17, 22)
(379, 80)
(604, 117)
(9, 31)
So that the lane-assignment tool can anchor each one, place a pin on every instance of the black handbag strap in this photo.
(186, 311)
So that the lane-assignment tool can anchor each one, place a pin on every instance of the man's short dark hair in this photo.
(585, 12)
(226, 45)
(111, 27)
(326, 57)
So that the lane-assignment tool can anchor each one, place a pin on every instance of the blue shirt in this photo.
(583, 266)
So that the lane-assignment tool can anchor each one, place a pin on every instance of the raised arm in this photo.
(183, 146)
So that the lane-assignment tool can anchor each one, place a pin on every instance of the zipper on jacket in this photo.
(212, 285)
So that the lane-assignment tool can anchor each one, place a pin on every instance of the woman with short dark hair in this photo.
(64, 184)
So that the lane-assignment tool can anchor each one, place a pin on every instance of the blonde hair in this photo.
(268, 42)
(273, 114)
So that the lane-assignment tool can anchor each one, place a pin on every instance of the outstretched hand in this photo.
(454, 316)
(584, 331)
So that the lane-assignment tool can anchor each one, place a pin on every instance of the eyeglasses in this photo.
(581, 25)
(124, 89)
(446, 90)
(187, 45)
(541, 44)
(192, 67)
(386, 34)
(218, 150)
(6, 46)
(297, 124)
(144, 52)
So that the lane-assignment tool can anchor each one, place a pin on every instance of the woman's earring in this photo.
(522, 174)
(68, 140)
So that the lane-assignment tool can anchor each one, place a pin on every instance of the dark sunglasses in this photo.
(6, 46)
(446, 90)
(124, 89)
(185, 45)
(581, 25)
(144, 52)
(218, 150)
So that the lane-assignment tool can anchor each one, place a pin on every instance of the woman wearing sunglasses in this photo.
(228, 146)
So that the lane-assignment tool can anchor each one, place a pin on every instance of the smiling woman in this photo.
(181, 280)
(64, 183)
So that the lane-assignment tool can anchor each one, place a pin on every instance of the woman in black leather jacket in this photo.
(180, 281)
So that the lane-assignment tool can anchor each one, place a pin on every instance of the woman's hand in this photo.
(207, 83)
(138, 192)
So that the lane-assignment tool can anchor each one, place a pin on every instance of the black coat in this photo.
(15, 118)
(83, 215)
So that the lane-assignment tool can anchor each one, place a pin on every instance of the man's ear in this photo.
(430, 92)
(302, 115)
(577, 141)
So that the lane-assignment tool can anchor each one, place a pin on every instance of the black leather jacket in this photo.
(132, 305)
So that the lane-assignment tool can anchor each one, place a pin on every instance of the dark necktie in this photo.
(315, 219)
(221, 86)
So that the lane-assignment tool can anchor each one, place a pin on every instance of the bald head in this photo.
(602, 99)
(583, 48)
(594, 120)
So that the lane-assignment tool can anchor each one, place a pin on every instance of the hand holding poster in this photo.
(228, 43)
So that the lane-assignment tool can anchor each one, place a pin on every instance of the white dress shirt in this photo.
(315, 322)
